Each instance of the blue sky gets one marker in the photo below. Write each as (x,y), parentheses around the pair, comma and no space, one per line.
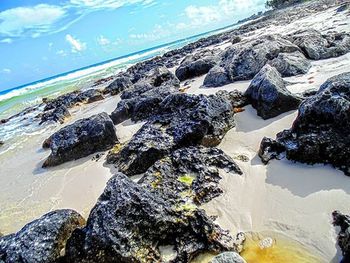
(39,38)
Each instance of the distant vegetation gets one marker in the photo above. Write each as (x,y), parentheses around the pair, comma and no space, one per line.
(281,3)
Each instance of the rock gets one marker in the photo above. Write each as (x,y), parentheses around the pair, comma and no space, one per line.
(317,46)
(320,132)
(189,174)
(90,96)
(120,84)
(228,257)
(216,77)
(308,93)
(42,240)
(343,7)
(1,143)
(236,98)
(291,64)
(4,121)
(130,224)
(81,139)
(182,120)
(244,60)
(197,64)
(67,100)
(236,39)
(161,76)
(270,149)
(268,94)
(58,114)
(343,221)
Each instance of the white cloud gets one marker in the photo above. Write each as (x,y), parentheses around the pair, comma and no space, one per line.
(230,10)
(6,40)
(32,20)
(76,44)
(108,4)
(61,53)
(6,71)
(158,32)
(103,41)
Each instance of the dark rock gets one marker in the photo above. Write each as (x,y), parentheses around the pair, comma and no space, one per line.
(291,64)
(182,120)
(343,221)
(244,60)
(320,132)
(90,96)
(130,224)
(189,174)
(308,93)
(343,7)
(58,114)
(81,139)
(197,64)
(236,98)
(317,46)
(42,240)
(67,100)
(236,39)
(1,143)
(268,94)
(228,257)
(4,121)
(216,77)
(161,76)
(119,85)
(270,149)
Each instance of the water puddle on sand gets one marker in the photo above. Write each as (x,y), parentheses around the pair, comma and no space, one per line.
(269,248)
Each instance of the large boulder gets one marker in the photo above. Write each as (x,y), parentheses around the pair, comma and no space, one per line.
(318,46)
(320,132)
(81,139)
(343,221)
(120,84)
(197,64)
(191,174)
(181,120)
(291,64)
(131,224)
(228,257)
(244,60)
(269,95)
(41,241)
(58,114)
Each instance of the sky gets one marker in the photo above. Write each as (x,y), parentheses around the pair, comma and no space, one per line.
(43,38)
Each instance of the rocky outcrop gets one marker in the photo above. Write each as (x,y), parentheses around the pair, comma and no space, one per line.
(90,96)
(189,174)
(320,132)
(59,114)
(291,64)
(318,46)
(228,257)
(343,221)
(41,241)
(197,64)
(120,84)
(182,120)
(269,95)
(81,139)
(130,224)
(244,60)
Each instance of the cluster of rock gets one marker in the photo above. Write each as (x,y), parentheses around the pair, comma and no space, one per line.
(319,133)
(343,222)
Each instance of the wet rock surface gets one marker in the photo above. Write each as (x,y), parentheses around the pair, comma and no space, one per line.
(343,222)
(268,94)
(41,241)
(189,174)
(321,46)
(319,134)
(197,64)
(130,224)
(81,139)
(182,120)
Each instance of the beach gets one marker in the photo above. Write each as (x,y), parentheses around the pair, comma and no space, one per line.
(284,200)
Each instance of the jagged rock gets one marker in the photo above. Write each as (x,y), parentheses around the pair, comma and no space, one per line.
(58,114)
(308,93)
(228,257)
(197,64)
(130,224)
(291,64)
(216,77)
(268,94)
(320,132)
(90,96)
(236,39)
(182,120)
(161,76)
(244,60)
(120,84)
(67,100)
(81,139)
(189,174)
(343,221)
(270,149)
(236,98)
(42,240)
(317,46)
